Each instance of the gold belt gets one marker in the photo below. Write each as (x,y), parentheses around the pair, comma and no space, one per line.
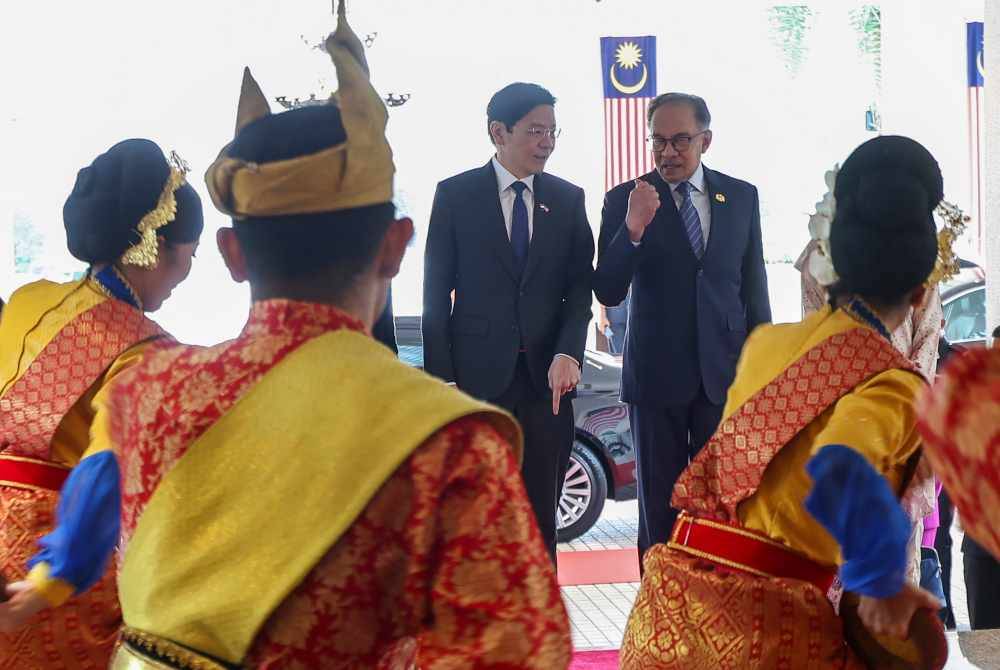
(138,650)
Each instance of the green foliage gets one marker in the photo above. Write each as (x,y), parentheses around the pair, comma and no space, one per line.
(867,23)
(789,28)
(28,243)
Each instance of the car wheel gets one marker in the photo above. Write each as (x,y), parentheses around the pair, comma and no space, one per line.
(585,489)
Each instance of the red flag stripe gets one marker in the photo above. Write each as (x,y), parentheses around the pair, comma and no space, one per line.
(626,153)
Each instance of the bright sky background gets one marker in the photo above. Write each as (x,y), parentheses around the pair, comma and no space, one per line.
(78,77)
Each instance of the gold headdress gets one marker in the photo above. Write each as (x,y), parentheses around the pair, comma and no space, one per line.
(144,253)
(356,173)
(946,266)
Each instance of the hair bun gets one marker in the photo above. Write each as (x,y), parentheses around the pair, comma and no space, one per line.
(883,239)
(893,155)
(110,197)
(887,200)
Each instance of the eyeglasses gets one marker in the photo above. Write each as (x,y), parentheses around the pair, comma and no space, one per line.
(539,133)
(680,143)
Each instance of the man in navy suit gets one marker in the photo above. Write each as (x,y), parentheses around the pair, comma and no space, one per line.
(688,240)
(513,245)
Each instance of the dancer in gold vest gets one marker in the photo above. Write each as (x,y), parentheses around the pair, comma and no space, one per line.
(296,497)
(135,221)
(799,483)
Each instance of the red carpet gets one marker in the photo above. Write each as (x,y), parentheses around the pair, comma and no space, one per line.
(594,660)
(608,566)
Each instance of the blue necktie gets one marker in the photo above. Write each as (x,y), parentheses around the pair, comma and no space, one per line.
(519,225)
(692,222)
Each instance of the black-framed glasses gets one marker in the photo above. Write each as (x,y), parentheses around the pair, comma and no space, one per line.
(680,143)
(536,133)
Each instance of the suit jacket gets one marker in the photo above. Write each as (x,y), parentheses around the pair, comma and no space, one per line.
(384,330)
(544,309)
(688,317)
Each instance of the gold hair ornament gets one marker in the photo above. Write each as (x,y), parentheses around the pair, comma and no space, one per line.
(144,253)
(955,222)
(355,173)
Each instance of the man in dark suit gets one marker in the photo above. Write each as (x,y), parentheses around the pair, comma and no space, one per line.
(514,245)
(688,240)
(384,329)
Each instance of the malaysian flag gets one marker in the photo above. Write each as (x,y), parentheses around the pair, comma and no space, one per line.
(628,70)
(976,108)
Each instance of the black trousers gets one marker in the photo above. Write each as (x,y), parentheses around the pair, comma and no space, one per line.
(548,440)
(666,439)
(943,544)
(982,585)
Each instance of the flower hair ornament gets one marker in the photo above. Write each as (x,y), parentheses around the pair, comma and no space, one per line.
(821,262)
(144,253)
(821,221)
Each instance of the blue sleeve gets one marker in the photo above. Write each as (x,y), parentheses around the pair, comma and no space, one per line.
(855,504)
(87,523)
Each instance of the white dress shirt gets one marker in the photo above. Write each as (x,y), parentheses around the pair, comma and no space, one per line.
(507,195)
(699,198)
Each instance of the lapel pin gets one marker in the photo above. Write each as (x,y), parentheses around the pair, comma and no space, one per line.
(719,197)
(542,206)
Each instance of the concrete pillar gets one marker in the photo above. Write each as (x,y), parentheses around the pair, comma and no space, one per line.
(991,229)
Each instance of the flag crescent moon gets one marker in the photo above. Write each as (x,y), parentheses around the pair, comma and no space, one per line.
(980,66)
(629,90)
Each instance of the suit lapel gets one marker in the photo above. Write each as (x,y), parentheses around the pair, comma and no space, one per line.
(719,209)
(496,227)
(671,227)
(541,229)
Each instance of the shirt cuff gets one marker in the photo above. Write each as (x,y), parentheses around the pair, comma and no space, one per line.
(569,357)
(56,591)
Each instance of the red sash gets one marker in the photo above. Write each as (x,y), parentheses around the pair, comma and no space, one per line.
(30,412)
(728,470)
(745,550)
(32,474)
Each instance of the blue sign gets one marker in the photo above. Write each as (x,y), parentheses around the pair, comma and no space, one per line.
(628,66)
(974,50)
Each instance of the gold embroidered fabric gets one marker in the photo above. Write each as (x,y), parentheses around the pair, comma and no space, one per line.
(691,615)
(237,479)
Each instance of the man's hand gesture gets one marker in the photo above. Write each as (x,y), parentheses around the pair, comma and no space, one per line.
(643,202)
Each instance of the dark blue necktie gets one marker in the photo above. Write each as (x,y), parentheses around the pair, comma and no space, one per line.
(519,225)
(692,222)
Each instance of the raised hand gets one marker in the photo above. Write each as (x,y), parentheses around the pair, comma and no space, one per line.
(643,202)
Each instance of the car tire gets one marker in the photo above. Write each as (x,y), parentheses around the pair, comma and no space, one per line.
(584,491)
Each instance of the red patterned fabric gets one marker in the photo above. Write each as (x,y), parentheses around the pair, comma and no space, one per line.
(179,391)
(69,364)
(729,468)
(692,615)
(698,614)
(445,568)
(960,424)
(80,633)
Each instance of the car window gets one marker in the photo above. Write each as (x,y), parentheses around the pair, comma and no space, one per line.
(965,317)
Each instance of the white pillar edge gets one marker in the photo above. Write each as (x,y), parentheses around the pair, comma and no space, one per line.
(991,227)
